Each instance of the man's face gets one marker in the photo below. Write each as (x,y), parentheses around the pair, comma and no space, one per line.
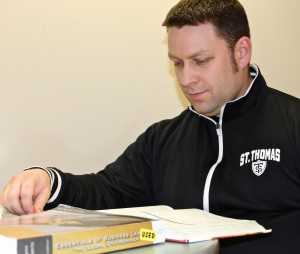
(204,69)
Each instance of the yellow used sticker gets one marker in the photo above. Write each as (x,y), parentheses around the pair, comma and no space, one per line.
(147,235)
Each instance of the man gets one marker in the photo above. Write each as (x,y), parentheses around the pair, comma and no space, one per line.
(234,152)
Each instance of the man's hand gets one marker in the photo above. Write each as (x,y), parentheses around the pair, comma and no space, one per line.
(27,192)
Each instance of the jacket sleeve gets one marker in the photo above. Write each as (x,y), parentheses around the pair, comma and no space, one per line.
(127,182)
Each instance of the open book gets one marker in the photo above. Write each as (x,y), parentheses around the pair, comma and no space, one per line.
(193,225)
(71,230)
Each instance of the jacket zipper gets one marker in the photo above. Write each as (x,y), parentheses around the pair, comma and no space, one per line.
(212,169)
(219,131)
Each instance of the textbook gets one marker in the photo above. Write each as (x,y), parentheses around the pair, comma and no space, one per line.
(69,230)
(194,225)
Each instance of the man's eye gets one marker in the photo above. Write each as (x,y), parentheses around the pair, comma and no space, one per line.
(177,63)
(202,61)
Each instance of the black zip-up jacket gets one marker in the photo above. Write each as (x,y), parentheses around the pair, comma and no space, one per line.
(244,164)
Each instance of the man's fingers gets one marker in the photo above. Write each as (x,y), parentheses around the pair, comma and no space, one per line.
(42,192)
(11,196)
(40,202)
(35,193)
(27,192)
(27,195)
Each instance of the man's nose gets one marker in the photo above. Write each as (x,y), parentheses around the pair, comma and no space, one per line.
(188,76)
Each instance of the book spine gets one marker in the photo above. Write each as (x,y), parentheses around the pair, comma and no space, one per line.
(104,240)
(36,245)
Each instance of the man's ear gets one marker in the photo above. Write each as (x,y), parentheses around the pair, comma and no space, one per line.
(243,51)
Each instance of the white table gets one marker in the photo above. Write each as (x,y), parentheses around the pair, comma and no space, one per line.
(206,247)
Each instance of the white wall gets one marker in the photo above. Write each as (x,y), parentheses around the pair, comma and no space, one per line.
(80,80)
(276,38)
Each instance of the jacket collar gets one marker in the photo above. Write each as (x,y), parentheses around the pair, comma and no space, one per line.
(254,95)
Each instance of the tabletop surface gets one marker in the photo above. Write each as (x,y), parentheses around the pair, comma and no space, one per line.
(205,247)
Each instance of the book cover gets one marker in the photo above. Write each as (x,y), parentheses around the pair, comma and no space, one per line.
(73,230)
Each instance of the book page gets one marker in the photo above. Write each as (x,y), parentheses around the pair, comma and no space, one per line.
(192,225)
(193,217)
(4,213)
(151,212)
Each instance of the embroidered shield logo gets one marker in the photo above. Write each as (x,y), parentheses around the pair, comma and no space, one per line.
(258,167)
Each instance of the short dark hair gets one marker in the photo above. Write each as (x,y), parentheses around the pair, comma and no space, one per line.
(227,16)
